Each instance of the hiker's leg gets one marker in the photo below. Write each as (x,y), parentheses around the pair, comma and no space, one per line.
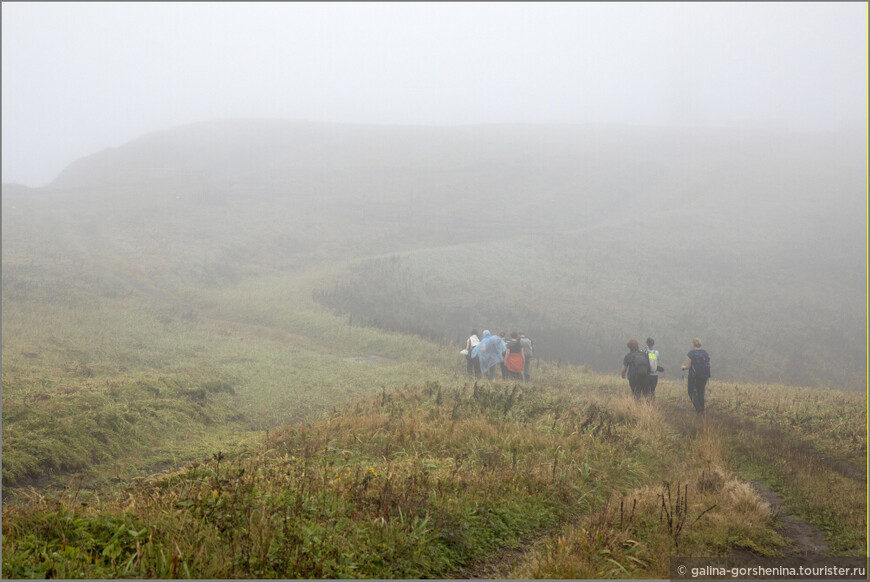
(701,390)
(643,386)
(691,389)
(633,384)
(527,371)
(653,382)
(697,392)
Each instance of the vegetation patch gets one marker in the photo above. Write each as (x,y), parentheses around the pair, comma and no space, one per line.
(52,434)
(418,482)
(805,462)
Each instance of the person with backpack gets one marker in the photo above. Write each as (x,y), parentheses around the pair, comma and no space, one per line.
(698,365)
(504,371)
(528,350)
(636,365)
(514,361)
(473,362)
(653,355)
(490,352)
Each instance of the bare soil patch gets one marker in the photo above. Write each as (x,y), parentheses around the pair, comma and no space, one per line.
(808,539)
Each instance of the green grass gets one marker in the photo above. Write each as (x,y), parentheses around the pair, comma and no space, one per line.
(112,382)
(805,444)
(419,482)
(832,422)
(390,475)
(148,325)
(596,220)
(571,293)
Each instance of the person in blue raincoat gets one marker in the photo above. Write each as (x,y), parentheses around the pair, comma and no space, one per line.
(490,352)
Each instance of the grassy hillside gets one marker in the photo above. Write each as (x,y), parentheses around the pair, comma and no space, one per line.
(267,291)
(114,375)
(750,241)
(435,480)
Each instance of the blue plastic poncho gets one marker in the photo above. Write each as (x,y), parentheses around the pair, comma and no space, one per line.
(490,351)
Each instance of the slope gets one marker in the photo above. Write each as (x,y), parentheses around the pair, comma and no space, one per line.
(749,240)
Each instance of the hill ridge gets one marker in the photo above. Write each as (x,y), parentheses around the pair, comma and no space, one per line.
(781,219)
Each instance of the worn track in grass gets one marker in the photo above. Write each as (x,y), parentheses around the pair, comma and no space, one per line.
(809,542)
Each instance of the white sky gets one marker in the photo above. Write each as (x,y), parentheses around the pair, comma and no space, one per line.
(81,77)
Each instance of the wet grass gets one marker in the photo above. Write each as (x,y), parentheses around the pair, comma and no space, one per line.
(303,443)
(807,445)
(423,481)
(110,385)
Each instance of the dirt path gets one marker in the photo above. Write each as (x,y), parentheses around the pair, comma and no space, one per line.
(809,545)
(809,540)
(500,566)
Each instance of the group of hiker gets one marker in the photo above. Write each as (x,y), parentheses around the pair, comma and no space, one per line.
(513,356)
(640,366)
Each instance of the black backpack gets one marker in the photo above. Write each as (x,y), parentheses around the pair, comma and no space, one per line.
(638,364)
(701,364)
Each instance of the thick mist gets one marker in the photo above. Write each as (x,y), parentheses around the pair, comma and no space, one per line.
(78,78)
(581,236)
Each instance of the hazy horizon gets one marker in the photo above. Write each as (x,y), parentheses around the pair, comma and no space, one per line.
(79,78)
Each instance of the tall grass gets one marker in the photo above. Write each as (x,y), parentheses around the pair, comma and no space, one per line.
(103,374)
(149,325)
(422,481)
(805,444)
(570,292)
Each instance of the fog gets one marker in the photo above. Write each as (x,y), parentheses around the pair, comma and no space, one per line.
(81,77)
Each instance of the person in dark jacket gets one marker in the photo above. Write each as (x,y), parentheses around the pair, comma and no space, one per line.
(636,365)
(528,351)
(698,365)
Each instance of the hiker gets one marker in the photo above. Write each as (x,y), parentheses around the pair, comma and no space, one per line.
(514,362)
(698,365)
(473,362)
(504,372)
(654,367)
(528,350)
(489,352)
(636,365)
